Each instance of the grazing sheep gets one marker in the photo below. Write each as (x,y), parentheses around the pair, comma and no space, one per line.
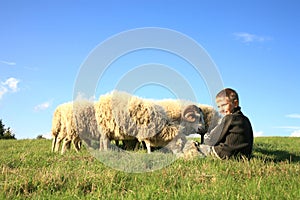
(74,122)
(121,116)
(63,128)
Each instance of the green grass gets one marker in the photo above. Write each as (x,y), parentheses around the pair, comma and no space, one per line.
(30,170)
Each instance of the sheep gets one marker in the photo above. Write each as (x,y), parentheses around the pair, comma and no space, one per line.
(121,116)
(182,147)
(74,122)
(63,128)
(189,148)
(175,140)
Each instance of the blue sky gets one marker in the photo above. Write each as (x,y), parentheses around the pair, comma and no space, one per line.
(254,44)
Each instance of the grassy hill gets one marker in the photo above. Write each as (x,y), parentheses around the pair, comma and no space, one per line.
(30,170)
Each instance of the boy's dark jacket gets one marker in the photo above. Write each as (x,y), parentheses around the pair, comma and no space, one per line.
(236,138)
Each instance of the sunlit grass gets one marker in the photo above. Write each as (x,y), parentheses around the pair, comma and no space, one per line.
(30,170)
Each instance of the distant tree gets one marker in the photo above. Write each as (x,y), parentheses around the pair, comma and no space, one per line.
(5,133)
(40,137)
(2,128)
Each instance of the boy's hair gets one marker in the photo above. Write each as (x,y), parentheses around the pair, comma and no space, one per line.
(229,93)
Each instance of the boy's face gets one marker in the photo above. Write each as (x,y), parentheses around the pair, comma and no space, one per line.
(226,106)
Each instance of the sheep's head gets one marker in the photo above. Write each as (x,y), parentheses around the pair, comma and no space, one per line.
(193,115)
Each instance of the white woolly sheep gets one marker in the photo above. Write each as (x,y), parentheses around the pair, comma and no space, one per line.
(121,116)
(174,139)
(180,145)
(64,129)
(74,122)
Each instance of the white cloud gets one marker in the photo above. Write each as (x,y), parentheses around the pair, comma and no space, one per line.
(258,133)
(8,63)
(248,37)
(295,130)
(10,85)
(295,133)
(288,127)
(47,135)
(297,116)
(3,90)
(42,106)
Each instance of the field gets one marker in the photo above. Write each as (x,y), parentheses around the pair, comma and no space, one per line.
(30,170)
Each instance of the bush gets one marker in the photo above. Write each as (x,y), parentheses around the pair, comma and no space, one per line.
(5,133)
(40,137)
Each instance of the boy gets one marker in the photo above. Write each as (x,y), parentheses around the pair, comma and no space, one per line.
(233,136)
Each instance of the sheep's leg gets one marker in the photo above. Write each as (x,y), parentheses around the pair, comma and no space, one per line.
(101,144)
(57,144)
(148,146)
(54,143)
(137,146)
(79,143)
(63,148)
(104,143)
(76,143)
(66,145)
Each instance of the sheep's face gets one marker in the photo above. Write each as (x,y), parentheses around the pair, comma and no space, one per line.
(193,119)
